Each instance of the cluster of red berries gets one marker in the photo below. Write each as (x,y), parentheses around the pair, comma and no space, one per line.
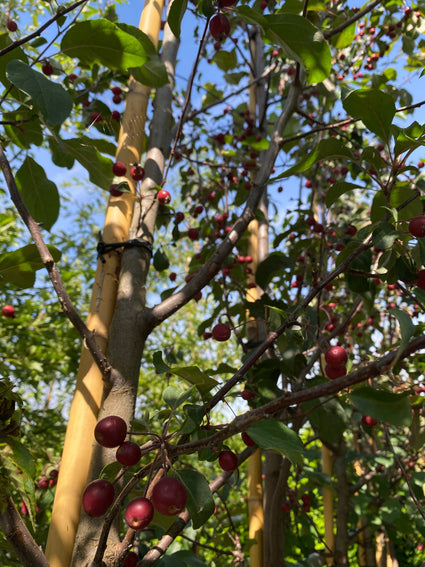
(169,495)
(119,169)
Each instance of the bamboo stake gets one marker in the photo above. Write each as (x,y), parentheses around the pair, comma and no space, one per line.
(328,505)
(77,451)
(255,488)
(255,331)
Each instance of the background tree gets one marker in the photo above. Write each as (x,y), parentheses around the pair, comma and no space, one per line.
(260,272)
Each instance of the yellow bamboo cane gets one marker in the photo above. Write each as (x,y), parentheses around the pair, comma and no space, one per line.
(255,488)
(328,505)
(88,395)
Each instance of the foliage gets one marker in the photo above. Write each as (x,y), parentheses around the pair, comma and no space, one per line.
(342,173)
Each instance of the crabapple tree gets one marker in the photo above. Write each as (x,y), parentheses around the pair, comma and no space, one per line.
(212,276)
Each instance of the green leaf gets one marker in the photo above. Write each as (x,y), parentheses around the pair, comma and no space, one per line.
(251,16)
(384,406)
(174,397)
(275,264)
(200,501)
(302,41)
(6,58)
(53,101)
(346,37)
(195,376)
(276,436)
(409,138)
(406,200)
(102,41)
(192,374)
(98,166)
(60,155)
(253,142)
(19,267)
(329,148)
(153,73)
(160,261)
(328,419)
(384,236)
(22,457)
(358,283)
(225,60)
(175,15)
(337,189)
(378,209)
(158,362)
(375,109)
(39,194)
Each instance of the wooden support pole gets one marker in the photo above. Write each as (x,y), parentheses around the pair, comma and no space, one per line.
(328,505)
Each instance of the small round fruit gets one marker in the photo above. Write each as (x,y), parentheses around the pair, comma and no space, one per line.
(131,559)
(128,453)
(228,460)
(221,332)
(12,25)
(97,497)
(417,226)
(219,27)
(169,496)
(119,168)
(285,507)
(47,69)
(137,172)
(116,90)
(193,233)
(95,117)
(8,311)
(369,421)
(179,217)
(247,394)
(114,191)
(247,439)
(110,431)
(43,482)
(139,513)
(163,197)
(336,356)
(334,372)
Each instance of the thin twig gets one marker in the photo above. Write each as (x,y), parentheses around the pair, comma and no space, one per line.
(60,12)
(52,270)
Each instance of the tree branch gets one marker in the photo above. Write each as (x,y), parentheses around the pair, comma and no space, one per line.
(173,303)
(60,12)
(245,420)
(54,275)
(20,539)
(167,539)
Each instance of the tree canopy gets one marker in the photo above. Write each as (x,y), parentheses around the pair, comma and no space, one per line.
(212,281)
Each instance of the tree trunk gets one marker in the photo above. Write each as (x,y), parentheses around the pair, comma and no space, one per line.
(131,324)
(275,489)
